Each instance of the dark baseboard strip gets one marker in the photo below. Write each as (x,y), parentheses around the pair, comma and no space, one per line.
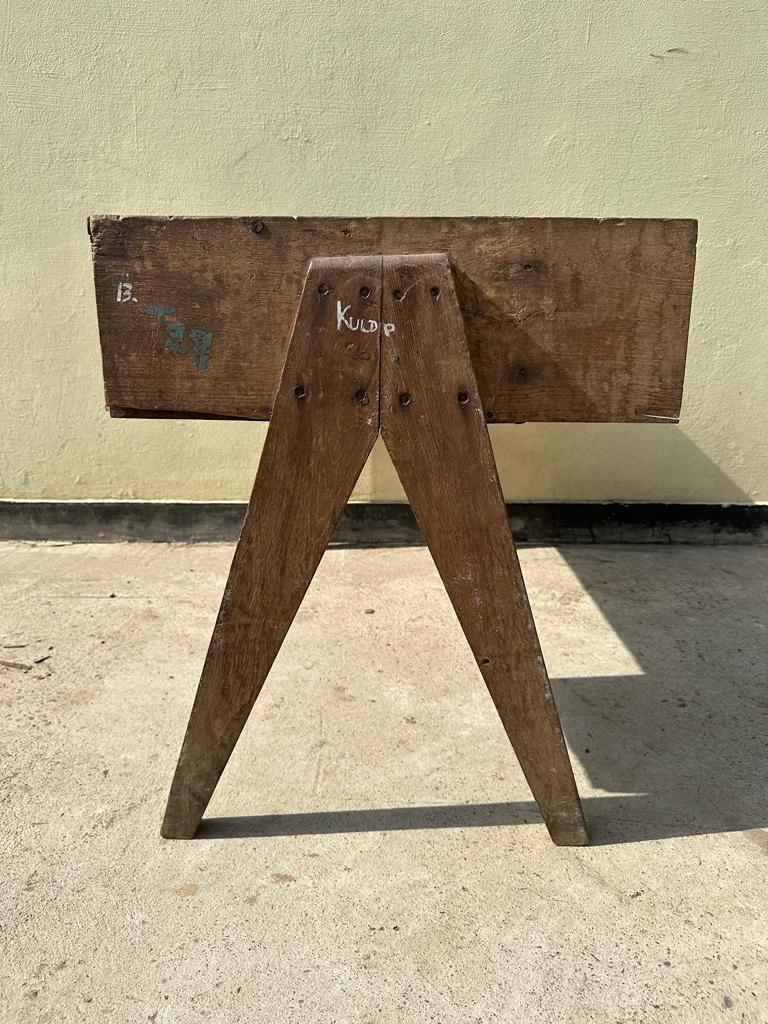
(387,524)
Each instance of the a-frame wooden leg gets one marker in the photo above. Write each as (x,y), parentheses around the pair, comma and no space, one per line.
(434,427)
(324,424)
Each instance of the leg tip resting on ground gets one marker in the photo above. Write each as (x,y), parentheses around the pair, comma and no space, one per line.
(183,813)
(172,830)
(568,831)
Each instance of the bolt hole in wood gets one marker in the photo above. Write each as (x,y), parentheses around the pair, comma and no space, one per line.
(527,266)
(463,398)
(435,292)
(399,295)
(489,414)
(365,291)
(361,396)
(404,399)
(299,391)
(323,289)
(485,661)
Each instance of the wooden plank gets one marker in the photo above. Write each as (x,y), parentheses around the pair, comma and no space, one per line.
(433,424)
(324,424)
(566,319)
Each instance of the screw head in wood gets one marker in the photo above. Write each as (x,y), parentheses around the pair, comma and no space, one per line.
(257,226)
(299,391)
(404,399)
(323,289)
(463,398)
(365,291)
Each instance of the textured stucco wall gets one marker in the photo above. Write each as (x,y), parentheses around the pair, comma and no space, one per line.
(567,108)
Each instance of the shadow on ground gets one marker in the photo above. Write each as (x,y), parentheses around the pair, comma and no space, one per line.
(691,733)
(678,750)
(611,820)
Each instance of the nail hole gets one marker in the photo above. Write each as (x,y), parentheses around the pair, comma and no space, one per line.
(404,399)
(485,661)
(435,292)
(323,289)
(399,295)
(463,398)
(361,397)
(257,226)
(299,391)
(489,414)
(527,266)
(365,291)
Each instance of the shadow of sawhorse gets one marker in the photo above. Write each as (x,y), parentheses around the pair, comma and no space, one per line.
(612,819)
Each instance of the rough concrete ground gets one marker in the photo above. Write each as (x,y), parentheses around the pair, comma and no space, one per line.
(373,853)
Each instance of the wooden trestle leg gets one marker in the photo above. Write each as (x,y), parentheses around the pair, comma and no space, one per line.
(324,423)
(366,323)
(433,425)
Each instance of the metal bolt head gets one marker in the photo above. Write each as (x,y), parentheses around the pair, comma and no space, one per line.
(256,226)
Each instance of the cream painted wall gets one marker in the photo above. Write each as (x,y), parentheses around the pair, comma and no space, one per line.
(573,107)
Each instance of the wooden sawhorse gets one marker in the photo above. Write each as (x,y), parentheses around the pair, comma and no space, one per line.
(379,343)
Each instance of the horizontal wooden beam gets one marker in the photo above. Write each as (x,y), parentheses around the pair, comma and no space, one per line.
(566,319)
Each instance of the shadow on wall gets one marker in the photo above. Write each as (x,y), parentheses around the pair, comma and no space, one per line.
(589,462)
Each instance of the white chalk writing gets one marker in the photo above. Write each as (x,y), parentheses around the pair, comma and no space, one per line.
(359,323)
(125,292)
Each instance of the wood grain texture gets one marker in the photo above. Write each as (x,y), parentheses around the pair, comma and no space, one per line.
(566,319)
(324,424)
(434,426)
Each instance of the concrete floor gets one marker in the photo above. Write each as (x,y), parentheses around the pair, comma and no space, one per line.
(373,854)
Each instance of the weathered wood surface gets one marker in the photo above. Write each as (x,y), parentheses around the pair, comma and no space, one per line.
(434,427)
(325,420)
(399,362)
(566,319)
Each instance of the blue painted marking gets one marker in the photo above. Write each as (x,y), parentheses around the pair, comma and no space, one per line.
(175,340)
(203,341)
(160,311)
